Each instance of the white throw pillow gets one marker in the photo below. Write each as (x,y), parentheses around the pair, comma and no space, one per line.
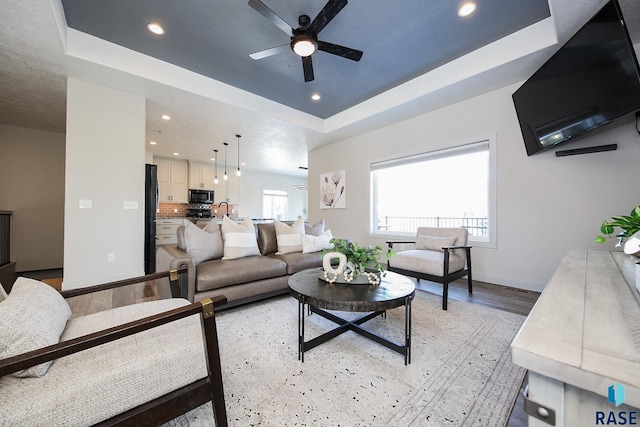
(289,236)
(434,243)
(203,244)
(239,239)
(316,243)
(33,316)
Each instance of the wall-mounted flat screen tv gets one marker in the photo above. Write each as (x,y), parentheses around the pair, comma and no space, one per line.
(591,81)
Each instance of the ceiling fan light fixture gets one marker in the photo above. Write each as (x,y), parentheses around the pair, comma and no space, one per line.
(304,45)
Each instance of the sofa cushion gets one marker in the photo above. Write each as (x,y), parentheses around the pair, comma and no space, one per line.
(96,384)
(425,261)
(33,316)
(289,236)
(202,243)
(314,230)
(219,273)
(433,243)
(239,239)
(316,243)
(298,261)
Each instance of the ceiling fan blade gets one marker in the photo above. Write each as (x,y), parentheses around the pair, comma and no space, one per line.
(262,9)
(270,52)
(328,12)
(345,52)
(307,67)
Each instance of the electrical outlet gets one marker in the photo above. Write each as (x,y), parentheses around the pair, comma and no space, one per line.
(111,257)
(175,210)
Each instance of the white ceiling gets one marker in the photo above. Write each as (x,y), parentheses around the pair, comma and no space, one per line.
(38,52)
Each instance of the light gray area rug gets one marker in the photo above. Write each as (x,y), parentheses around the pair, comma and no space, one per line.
(460,373)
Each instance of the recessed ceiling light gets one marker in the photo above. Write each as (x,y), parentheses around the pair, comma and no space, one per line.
(316,97)
(155,28)
(152,142)
(176,154)
(166,117)
(466,9)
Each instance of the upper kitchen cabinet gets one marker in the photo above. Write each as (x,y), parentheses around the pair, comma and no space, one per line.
(228,191)
(173,180)
(201,176)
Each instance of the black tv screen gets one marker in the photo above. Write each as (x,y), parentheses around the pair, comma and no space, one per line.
(592,80)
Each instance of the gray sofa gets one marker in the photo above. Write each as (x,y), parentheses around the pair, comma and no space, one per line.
(245,279)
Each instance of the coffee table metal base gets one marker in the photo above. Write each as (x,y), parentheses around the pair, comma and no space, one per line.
(353,325)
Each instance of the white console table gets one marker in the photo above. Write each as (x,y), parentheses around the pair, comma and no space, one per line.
(582,336)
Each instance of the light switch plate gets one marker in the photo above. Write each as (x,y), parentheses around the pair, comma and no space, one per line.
(130,204)
(86,204)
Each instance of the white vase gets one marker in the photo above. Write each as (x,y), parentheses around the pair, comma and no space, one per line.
(326,262)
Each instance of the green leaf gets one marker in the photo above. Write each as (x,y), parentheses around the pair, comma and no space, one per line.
(600,239)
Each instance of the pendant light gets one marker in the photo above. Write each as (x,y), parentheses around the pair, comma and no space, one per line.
(215,162)
(225,177)
(238,172)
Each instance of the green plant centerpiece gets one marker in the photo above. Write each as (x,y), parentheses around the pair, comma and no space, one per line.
(630,224)
(359,262)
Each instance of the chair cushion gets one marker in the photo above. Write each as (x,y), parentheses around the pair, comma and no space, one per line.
(289,236)
(219,273)
(433,243)
(96,384)
(426,261)
(202,244)
(239,239)
(33,316)
(316,243)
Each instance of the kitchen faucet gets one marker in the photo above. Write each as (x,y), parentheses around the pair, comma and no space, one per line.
(220,204)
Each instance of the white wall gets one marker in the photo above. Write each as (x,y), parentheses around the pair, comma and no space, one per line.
(251,193)
(105,156)
(32,186)
(545,205)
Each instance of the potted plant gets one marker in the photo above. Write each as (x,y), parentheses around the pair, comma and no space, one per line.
(630,224)
(358,260)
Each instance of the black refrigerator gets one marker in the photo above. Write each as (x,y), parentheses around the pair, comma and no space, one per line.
(150,209)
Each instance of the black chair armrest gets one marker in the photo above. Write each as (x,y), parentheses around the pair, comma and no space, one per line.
(457,247)
(65,348)
(177,279)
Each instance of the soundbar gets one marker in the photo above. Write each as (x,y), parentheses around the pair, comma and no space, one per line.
(586,150)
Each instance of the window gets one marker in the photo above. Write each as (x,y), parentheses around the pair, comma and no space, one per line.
(444,188)
(274,204)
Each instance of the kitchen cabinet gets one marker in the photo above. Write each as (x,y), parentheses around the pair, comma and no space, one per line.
(201,176)
(173,179)
(228,191)
(166,231)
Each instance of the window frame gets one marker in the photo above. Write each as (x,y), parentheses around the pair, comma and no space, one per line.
(454,148)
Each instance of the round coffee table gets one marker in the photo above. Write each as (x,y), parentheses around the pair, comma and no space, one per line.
(393,291)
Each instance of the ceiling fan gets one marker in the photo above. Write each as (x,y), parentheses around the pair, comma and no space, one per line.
(304,39)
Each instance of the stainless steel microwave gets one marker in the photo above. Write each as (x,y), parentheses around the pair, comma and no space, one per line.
(200,196)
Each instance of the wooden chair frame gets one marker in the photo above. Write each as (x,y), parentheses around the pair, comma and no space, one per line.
(446,278)
(172,404)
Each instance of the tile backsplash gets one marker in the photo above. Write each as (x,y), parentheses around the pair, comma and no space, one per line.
(166,210)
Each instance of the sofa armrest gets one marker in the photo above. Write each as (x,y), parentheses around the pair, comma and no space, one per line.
(172,258)
(402,243)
